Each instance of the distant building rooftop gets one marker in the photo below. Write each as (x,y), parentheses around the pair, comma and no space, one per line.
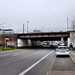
(6,31)
(37,31)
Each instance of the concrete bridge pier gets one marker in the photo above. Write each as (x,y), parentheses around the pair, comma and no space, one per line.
(21,42)
(71,39)
(25,43)
(31,42)
(68,41)
(34,43)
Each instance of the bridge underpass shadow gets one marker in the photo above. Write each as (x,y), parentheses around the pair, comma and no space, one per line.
(37,47)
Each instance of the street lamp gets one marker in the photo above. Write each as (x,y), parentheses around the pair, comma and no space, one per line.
(67,23)
(42,29)
(23,28)
(2,38)
(27,25)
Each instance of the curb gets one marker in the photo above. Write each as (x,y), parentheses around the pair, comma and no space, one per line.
(72,60)
(72,57)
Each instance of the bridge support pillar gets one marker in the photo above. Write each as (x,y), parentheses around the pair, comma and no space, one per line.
(34,43)
(71,40)
(21,43)
(74,43)
(29,42)
(68,41)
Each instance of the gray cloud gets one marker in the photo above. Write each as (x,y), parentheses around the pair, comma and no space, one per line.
(40,13)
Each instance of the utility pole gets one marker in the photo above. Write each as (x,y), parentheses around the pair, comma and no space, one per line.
(27,26)
(67,23)
(2,38)
(23,28)
(42,29)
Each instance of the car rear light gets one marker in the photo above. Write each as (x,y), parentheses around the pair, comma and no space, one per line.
(57,50)
(67,50)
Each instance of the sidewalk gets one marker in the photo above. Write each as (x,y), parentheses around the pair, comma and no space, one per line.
(50,72)
(72,55)
(61,73)
(73,51)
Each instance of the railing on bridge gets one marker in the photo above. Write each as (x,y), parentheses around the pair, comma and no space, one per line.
(45,29)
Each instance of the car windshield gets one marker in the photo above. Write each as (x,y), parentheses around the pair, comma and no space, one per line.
(62,48)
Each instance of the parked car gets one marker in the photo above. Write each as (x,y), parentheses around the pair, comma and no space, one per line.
(62,50)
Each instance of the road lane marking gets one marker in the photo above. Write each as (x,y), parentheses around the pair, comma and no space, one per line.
(25,71)
(17,56)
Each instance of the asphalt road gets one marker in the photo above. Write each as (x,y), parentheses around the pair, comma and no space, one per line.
(14,63)
(34,62)
(63,63)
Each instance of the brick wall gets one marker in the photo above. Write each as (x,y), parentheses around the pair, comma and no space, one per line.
(11,38)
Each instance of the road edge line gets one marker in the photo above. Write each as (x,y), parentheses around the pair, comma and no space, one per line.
(73,53)
(72,59)
(50,65)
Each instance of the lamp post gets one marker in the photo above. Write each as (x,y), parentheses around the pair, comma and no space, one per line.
(27,25)
(67,23)
(2,38)
(42,29)
(23,28)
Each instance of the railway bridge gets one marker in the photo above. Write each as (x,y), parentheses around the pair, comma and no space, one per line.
(30,39)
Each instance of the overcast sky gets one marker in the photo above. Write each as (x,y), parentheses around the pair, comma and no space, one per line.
(41,14)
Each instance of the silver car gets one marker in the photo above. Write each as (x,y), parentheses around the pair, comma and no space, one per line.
(62,50)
